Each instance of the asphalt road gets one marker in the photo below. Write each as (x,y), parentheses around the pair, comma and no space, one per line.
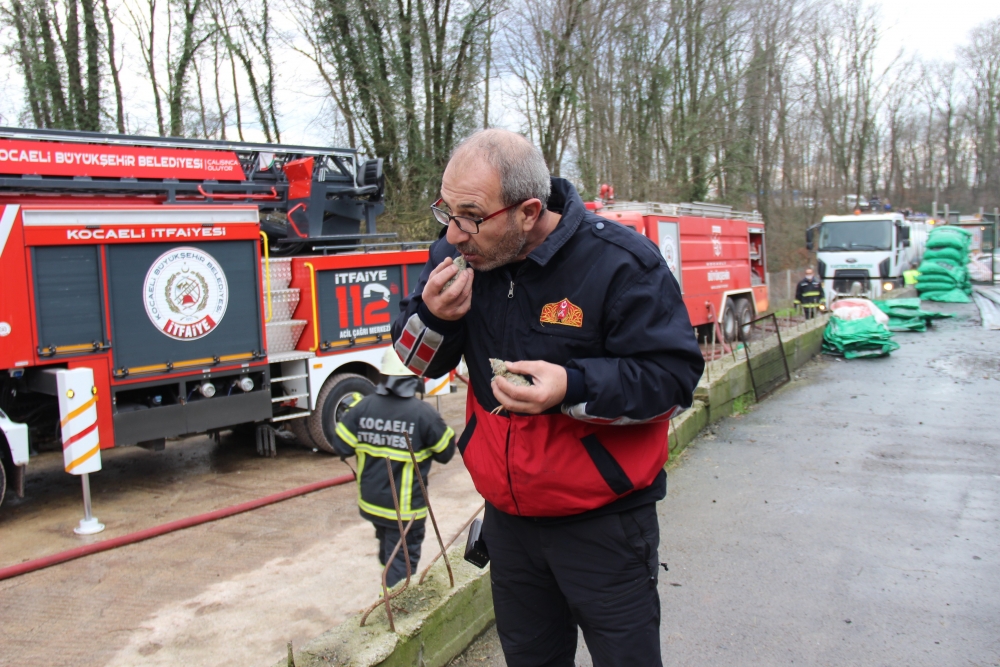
(853,518)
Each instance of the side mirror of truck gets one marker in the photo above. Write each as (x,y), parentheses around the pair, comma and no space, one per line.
(809,239)
(904,235)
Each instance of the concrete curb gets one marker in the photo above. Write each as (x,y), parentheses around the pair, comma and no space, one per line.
(440,622)
(434,623)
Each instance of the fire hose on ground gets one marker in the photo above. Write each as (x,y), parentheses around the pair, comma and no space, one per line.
(169,527)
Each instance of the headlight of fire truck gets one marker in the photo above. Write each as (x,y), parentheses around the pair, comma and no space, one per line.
(888,286)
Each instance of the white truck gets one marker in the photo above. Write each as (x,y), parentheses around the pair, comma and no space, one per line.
(865,255)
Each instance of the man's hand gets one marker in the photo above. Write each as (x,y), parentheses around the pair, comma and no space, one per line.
(548,388)
(455,301)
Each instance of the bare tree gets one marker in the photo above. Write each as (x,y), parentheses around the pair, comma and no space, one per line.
(115,68)
(981,58)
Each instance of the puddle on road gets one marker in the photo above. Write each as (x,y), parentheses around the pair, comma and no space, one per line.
(966,367)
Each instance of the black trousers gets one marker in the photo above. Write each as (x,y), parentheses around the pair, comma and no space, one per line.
(598,574)
(387,537)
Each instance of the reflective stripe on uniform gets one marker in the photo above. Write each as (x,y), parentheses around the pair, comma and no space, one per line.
(442,444)
(406,492)
(390,513)
(347,436)
(391,453)
(405,504)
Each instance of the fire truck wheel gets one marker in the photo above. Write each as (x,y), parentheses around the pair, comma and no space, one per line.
(730,328)
(744,316)
(3,475)
(300,429)
(331,404)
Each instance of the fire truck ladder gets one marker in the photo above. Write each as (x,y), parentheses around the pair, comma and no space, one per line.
(305,194)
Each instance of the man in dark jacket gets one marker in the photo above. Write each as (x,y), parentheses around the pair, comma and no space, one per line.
(374,428)
(809,294)
(571,466)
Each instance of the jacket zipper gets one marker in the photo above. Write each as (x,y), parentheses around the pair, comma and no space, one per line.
(510,480)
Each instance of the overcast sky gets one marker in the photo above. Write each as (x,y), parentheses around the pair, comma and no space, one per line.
(933,29)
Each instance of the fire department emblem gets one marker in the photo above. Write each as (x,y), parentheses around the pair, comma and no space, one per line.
(669,252)
(185,293)
(563,312)
(717,245)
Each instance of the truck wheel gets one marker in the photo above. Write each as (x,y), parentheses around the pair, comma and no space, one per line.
(730,326)
(744,316)
(300,429)
(331,404)
(3,478)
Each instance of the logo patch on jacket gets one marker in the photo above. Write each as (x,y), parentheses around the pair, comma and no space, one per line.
(563,312)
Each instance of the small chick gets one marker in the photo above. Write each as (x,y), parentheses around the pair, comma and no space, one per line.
(500,370)
(462,266)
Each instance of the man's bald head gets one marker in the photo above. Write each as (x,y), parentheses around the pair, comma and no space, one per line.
(516,161)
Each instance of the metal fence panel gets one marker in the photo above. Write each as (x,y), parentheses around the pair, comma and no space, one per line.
(765,356)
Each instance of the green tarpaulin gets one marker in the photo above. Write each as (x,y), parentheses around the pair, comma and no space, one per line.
(854,339)
(906,315)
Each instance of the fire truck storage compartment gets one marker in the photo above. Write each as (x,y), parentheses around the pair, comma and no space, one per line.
(758,275)
(170,408)
(137,342)
(68,300)
(357,303)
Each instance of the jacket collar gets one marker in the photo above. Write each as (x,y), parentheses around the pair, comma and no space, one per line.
(564,200)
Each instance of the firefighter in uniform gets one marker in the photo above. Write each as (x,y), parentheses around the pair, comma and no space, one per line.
(809,294)
(373,429)
(571,467)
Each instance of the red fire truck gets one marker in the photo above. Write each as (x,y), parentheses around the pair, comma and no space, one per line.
(148,264)
(716,254)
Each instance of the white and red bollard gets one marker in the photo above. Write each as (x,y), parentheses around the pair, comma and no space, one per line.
(77,395)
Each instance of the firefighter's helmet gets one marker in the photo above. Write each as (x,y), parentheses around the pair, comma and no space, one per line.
(391,365)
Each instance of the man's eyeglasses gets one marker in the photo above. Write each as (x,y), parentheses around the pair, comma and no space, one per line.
(465,223)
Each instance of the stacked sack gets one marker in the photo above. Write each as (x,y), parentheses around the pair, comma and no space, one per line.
(943,273)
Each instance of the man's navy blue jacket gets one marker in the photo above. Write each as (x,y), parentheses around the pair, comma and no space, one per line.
(598,299)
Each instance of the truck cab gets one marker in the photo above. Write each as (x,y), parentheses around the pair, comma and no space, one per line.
(862,255)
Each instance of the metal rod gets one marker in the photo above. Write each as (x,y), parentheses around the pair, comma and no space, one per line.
(89,525)
(781,348)
(452,541)
(85,478)
(386,597)
(423,489)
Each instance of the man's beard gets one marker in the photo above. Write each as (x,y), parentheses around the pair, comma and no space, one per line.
(505,251)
